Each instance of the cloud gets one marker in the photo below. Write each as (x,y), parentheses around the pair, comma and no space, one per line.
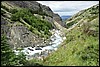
(68,7)
(67,13)
(65,10)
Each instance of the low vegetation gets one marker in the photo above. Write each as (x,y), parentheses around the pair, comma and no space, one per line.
(70,24)
(8,57)
(79,49)
(33,21)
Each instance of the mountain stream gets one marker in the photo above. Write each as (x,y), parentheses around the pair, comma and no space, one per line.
(40,52)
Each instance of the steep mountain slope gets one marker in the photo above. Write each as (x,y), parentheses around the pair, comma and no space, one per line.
(81,47)
(27,23)
(35,7)
(86,15)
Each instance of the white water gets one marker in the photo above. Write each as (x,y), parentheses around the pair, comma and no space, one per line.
(56,39)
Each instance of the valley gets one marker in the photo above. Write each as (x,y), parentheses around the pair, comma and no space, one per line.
(33,35)
(40,51)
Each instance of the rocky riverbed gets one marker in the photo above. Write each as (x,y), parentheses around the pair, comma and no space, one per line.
(43,51)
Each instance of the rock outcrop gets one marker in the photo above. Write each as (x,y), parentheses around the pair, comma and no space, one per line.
(58,19)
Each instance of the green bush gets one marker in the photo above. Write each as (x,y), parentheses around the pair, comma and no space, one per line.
(13,11)
(33,62)
(90,55)
(8,57)
(37,23)
(70,24)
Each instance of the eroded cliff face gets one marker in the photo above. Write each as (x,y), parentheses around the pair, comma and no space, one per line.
(17,33)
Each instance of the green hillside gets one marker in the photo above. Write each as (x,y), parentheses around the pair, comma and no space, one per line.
(86,15)
(81,47)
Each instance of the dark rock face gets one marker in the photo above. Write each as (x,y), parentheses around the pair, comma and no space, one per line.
(58,19)
(4,22)
(4,27)
(33,5)
(25,4)
(51,20)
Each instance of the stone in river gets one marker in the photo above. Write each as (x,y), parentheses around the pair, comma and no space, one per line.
(30,49)
(38,48)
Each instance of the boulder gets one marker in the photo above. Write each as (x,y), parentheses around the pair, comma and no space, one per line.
(38,48)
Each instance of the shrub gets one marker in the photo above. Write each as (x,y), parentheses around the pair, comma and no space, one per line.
(90,55)
(70,24)
(37,23)
(13,11)
(8,57)
(86,27)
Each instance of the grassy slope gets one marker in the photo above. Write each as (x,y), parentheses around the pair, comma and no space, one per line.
(87,15)
(74,47)
(80,48)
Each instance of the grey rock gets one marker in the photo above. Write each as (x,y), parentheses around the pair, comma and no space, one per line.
(38,48)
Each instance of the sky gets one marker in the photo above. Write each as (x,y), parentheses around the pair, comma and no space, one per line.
(66,8)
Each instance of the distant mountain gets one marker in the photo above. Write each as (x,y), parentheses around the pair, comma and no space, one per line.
(65,17)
